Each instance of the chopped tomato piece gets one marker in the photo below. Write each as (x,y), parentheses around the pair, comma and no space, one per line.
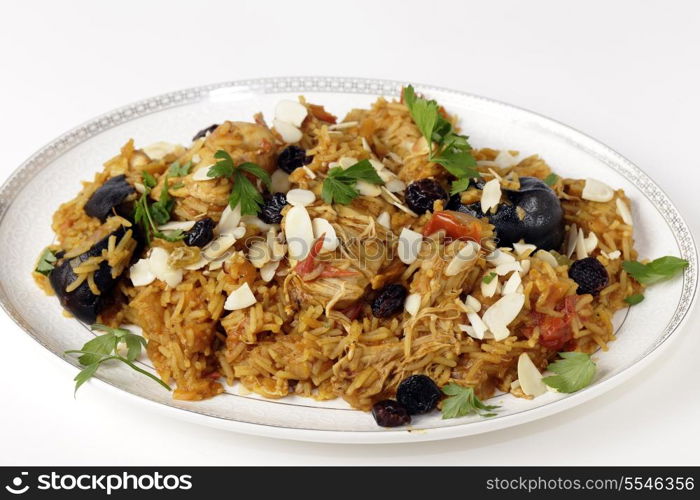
(456,225)
(555,333)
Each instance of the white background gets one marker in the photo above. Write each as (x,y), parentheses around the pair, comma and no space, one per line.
(624,72)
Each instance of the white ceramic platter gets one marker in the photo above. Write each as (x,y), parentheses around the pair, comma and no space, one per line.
(51,176)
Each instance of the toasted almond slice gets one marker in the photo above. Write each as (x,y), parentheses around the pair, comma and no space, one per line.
(502,313)
(524,249)
(140,273)
(508,267)
(267,272)
(219,246)
(512,284)
(491,195)
(289,133)
(198,265)
(409,245)
(498,257)
(240,298)
(368,189)
(299,232)
(346,162)
(259,253)
(594,190)
(309,173)
(279,181)
(230,219)
(291,112)
(159,150)
(322,226)
(300,197)
(469,330)
(571,240)
(395,185)
(624,211)
(365,145)
(489,289)
(412,304)
(525,264)
(384,219)
(547,257)
(530,377)
(201,173)
(140,188)
(590,242)
(473,303)
(183,225)
(581,252)
(505,160)
(252,220)
(613,255)
(466,255)
(158,265)
(478,325)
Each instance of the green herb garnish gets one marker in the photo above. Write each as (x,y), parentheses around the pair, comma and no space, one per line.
(106,347)
(657,270)
(243,191)
(634,299)
(551,179)
(177,170)
(46,262)
(148,180)
(453,151)
(489,278)
(574,372)
(462,401)
(150,216)
(340,185)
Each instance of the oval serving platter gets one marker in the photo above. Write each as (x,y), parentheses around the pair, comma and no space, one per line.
(51,176)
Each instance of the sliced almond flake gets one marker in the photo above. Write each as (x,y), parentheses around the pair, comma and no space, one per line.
(368,189)
(590,242)
(365,145)
(159,150)
(502,313)
(469,330)
(571,237)
(525,264)
(412,304)
(240,298)
(524,248)
(289,133)
(505,160)
(473,303)
(478,324)
(594,190)
(384,219)
(277,248)
(299,232)
(395,185)
(343,125)
(580,245)
(503,269)
(346,162)
(139,187)
(547,257)
(158,265)
(530,377)
(267,272)
(196,158)
(491,195)
(219,246)
(253,220)
(322,226)
(198,265)
(259,253)
(512,284)
(230,219)
(613,255)
(279,181)
(140,273)
(624,211)
(201,173)
(300,197)
(409,245)
(183,225)
(489,289)
(463,258)
(486,163)
(292,112)
(498,257)
(495,174)
(309,173)
(404,208)
(395,157)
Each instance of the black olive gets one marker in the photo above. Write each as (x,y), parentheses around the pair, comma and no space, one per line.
(590,275)
(201,233)
(389,301)
(81,302)
(271,211)
(418,393)
(108,196)
(421,194)
(390,413)
(473,209)
(204,132)
(293,157)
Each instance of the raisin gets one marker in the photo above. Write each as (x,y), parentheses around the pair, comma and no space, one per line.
(204,132)
(590,275)
(389,301)
(418,393)
(271,211)
(200,234)
(291,158)
(390,413)
(421,194)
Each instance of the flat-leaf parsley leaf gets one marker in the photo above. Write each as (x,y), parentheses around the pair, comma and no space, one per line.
(340,185)
(657,270)
(243,191)
(573,372)
(463,401)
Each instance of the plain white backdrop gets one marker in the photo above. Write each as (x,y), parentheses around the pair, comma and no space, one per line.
(624,72)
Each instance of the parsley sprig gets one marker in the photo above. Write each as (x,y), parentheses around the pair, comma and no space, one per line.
(341,184)
(573,372)
(105,348)
(151,215)
(660,269)
(46,262)
(243,191)
(453,151)
(463,401)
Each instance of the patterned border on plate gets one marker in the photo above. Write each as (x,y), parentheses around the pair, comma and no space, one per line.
(31,167)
